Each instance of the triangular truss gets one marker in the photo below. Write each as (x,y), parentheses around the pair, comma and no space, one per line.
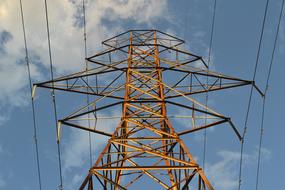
(145,72)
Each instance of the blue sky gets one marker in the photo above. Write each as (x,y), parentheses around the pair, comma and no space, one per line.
(235,43)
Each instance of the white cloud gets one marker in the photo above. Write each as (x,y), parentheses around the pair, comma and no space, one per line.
(67,50)
(266,154)
(127,9)
(3,119)
(76,151)
(66,37)
(224,173)
(74,182)
(13,80)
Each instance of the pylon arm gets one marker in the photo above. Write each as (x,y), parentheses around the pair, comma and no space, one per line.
(200,128)
(257,89)
(86,129)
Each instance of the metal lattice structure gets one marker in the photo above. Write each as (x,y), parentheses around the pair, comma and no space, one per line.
(148,74)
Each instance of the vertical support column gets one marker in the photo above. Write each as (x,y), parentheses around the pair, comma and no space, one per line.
(125,114)
(163,125)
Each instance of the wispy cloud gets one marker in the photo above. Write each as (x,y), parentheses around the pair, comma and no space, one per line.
(224,173)
(3,119)
(4,38)
(76,150)
(66,37)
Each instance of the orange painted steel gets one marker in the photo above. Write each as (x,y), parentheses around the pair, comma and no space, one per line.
(145,148)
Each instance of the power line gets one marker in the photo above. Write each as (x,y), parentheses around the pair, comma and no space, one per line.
(212,32)
(53,96)
(87,80)
(264,98)
(250,96)
(32,99)
(207,78)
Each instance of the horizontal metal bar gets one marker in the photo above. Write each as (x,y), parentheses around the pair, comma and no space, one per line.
(73,76)
(203,127)
(82,92)
(202,91)
(93,110)
(86,129)
(144,138)
(144,168)
(144,44)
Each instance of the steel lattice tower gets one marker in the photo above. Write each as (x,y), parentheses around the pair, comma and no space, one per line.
(150,73)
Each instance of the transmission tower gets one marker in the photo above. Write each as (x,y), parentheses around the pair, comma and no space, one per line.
(148,74)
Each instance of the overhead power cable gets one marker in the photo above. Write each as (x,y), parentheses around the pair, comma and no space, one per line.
(262,127)
(53,96)
(207,78)
(250,96)
(32,99)
(87,80)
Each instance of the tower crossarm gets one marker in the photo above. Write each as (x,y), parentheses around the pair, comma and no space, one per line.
(147,75)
